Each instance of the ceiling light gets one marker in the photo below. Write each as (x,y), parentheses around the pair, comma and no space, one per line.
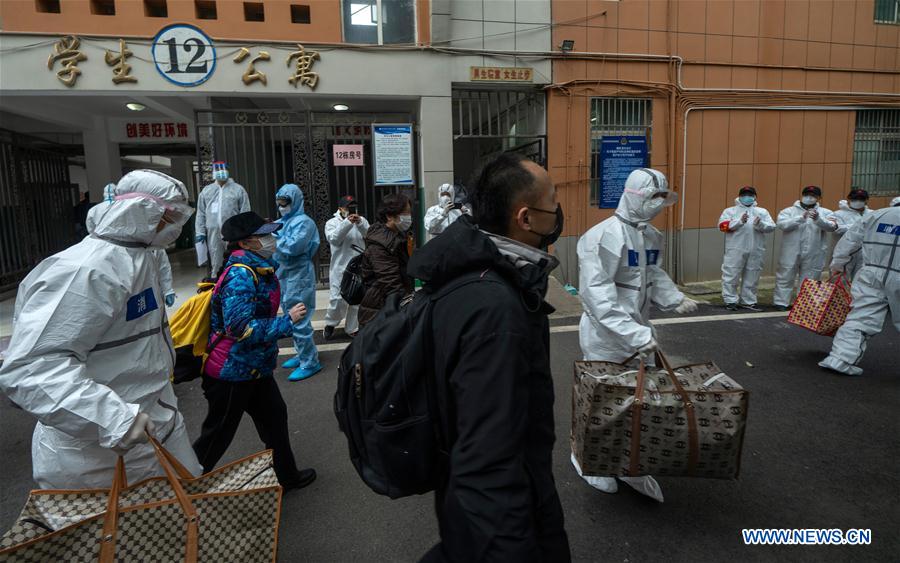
(567,45)
(134,106)
(340,107)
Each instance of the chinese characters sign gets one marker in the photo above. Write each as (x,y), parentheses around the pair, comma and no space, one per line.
(348,155)
(149,131)
(618,157)
(500,74)
(392,146)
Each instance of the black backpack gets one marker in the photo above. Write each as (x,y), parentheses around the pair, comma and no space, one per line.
(388,403)
(353,289)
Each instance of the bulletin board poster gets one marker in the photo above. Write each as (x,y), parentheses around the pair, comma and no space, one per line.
(619,156)
(392,147)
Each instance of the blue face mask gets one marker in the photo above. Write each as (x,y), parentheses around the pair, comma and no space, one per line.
(747,200)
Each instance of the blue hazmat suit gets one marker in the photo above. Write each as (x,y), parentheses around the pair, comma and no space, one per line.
(298,242)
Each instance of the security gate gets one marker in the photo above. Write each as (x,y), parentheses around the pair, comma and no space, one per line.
(265,149)
(490,121)
(37,205)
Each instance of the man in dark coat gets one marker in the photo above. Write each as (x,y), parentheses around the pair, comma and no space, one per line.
(491,347)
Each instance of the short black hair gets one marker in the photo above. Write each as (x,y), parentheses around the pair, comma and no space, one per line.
(391,206)
(499,184)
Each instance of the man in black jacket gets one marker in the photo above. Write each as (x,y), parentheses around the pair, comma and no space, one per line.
(492,347)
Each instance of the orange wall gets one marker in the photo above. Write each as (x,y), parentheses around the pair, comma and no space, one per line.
(823,45)
(75,18)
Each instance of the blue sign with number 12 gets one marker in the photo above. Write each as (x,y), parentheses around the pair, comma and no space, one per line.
(184,55)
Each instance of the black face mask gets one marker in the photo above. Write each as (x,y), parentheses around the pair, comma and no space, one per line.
(549,238)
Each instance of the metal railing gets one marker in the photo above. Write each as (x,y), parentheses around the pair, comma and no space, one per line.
(876,151)
(37,205)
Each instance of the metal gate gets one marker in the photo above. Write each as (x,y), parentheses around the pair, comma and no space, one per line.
(37,205)
(266,149)
(490,121)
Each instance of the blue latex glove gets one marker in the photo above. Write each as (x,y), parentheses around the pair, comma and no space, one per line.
(200,238)
(170,299)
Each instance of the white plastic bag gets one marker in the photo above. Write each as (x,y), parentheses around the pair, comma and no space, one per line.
(202,253)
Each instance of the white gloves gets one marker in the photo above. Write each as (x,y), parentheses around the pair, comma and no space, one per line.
(648,348)
(687,305)
(136,434)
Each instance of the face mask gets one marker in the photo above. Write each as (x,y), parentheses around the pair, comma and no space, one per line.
(809,200)
(549,238)
(284,209)
(445,199)
(747,200)
(166,236)
(343,213)
(267,246)
(857,204)
(652,207)
(405,222)
(220,175)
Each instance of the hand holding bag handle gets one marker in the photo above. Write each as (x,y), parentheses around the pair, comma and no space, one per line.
(174,471)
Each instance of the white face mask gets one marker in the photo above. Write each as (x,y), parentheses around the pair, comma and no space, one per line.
(445,199)
(652,207)
(267,249)
(809,200)
(166,236)
(405,222)
(284,209)
(857,204)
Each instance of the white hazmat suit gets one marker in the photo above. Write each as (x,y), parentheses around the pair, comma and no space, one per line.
(745,248)
(343,235)
(216,205)
(91,348)
(620,277)
(803,248)
(162,259)
(876,287)
(440,216)
(846,218)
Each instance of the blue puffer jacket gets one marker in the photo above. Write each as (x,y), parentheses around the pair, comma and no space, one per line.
(245,321)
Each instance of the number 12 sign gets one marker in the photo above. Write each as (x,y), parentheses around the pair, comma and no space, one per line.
(184,55)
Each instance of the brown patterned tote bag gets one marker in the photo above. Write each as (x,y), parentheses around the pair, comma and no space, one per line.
(687,421)
(230,514)
(821,306)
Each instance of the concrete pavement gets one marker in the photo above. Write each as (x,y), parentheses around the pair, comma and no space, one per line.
(820,451)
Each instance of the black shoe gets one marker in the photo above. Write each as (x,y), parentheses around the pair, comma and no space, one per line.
(304,478)
(328,333)
(751,307)
(782,308)
(731,306)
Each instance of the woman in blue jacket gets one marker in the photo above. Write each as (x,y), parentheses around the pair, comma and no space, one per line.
(243,351)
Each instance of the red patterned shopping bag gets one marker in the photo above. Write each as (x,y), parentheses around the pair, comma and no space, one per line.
(822,306)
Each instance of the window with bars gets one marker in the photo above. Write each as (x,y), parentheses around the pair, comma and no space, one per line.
(876,151)
(887,11)
(615,116)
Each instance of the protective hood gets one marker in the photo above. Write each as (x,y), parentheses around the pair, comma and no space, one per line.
(642,184)
(295,194)
(737,201)
(141,199)
(449,188)
(895,202)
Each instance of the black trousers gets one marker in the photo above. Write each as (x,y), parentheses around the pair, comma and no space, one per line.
(228,401)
